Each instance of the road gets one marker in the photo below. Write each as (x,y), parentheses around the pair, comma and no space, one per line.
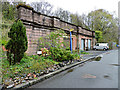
(94,74)
(93,53)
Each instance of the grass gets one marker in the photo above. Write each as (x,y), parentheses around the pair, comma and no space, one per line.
(28,64)
(83,52)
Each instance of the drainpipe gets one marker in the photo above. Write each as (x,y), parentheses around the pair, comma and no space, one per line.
(78,48)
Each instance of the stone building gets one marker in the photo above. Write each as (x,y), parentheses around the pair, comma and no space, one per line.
(38,25)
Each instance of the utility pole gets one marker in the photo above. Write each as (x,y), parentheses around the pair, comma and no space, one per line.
(119,39)
(71,40)
(119,22)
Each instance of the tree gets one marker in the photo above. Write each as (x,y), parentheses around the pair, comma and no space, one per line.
(75,19)
(9,10)
(99,20)
(102,20)
(62,14)
(79,20)
(98,35)
(42,7)
(17,44)
(8,15)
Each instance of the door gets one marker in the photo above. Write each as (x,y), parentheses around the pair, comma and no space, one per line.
(89,44)
(82,44)
(97,46)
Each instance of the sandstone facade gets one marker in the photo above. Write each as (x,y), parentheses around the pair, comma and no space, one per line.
(38,25)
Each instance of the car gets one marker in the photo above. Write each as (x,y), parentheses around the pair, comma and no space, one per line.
(101,46)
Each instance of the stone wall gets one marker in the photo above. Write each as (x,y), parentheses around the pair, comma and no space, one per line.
(38,25)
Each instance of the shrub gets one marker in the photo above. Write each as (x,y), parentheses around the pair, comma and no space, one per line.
(54,42)
(4,42)
(98,35)
(17,44)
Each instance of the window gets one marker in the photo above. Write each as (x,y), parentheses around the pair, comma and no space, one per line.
(97,44)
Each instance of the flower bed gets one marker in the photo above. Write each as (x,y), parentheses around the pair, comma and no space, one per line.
(30,67)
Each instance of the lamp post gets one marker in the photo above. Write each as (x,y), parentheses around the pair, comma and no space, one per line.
(71,40)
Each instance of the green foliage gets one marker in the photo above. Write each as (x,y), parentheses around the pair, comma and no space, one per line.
(52,40)
(76,19)
(98,35)
(24,5)
(99,19)
(61,54)
(4,31)
(17,44)
(82,52)
(4,42)
(77,56)
(102,20)
(67,48)
(56,45)
(28,64)
(9,10)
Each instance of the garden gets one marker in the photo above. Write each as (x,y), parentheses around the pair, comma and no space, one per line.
(18,67)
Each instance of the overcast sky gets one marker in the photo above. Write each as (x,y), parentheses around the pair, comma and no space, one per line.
(84,6)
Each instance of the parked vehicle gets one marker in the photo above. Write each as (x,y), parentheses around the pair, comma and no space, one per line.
(101,46)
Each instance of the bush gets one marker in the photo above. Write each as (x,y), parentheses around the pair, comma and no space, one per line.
(28,64)
(4,42)
(59,54)
(54,42)
(17,44)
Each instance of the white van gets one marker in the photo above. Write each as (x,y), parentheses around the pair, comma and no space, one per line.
(101,46)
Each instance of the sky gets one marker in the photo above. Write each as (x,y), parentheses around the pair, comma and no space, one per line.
(84,6)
